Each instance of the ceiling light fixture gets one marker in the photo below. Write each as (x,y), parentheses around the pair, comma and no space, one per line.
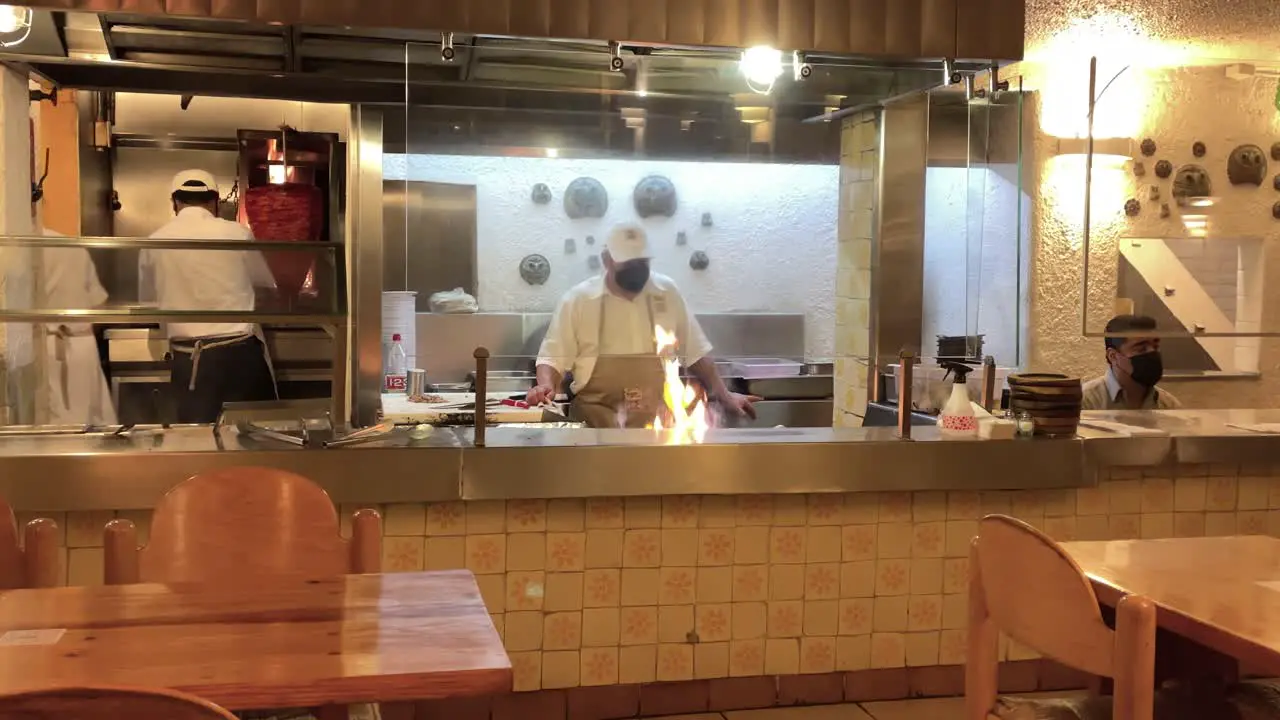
(15,24)
(761,66)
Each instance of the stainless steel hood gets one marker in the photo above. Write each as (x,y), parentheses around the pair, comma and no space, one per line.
(180,55)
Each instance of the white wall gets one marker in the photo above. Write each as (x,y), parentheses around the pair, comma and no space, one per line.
(772,245)
(142,177)
(988,303)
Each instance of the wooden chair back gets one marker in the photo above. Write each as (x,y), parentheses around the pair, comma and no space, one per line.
(108,703)
(1022,584)
(32,562)
(237,523)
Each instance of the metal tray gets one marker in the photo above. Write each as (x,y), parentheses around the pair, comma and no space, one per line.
(800,387)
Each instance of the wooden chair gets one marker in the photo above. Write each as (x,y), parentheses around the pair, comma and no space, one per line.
(35,563)
(226,525)
(108,703)
(1022,584)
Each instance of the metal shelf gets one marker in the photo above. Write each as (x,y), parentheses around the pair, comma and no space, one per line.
(173,142)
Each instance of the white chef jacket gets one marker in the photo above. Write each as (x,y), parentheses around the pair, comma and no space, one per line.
(17,293)
(70,281)
(205,279)
(576,336)
(77,389)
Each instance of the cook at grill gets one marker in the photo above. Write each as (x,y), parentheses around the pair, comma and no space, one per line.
(209,363)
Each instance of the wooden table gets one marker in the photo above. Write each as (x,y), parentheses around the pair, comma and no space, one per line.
(1221,593)
(291,643)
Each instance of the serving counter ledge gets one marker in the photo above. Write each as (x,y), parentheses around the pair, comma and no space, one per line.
(99,471)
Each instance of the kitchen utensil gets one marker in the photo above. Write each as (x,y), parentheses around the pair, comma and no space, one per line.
(752,368)
(800,387)
(417,383)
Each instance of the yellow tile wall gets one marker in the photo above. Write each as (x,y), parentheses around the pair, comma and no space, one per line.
(611,590)
(859,158)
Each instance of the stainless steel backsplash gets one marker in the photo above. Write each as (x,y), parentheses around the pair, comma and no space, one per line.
(446,343)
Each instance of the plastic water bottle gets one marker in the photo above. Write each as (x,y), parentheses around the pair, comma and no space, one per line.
(395,379)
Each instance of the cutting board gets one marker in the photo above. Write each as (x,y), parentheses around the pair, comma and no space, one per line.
(396,408)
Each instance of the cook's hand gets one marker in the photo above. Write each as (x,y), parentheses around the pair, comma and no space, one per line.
(740,404)
(540,395)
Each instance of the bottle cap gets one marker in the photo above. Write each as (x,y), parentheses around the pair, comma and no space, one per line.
(395,338)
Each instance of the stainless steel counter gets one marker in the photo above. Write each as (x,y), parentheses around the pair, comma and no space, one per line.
(1188,436)
(83,472)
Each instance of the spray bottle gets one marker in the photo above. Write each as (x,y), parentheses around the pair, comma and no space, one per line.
(957,419)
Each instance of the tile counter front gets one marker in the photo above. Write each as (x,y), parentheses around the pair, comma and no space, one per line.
(629,591)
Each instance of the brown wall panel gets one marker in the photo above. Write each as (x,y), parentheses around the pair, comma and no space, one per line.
(608,20)
(867,27)
(759,22)
(686,22)
(289,11)
(988,29)
(570,18)
(444,15)
(489,17)
(831,25)
(903,20)
(971,29)
(796,24)
(531,17)
(724,20)
(938,28)
(156,7)
(647,20)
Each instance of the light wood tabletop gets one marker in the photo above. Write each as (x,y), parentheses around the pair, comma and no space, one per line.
(1221,592)
(291,642)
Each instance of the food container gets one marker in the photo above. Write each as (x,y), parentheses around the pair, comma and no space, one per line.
(417,383)
(752,368)
(507,381)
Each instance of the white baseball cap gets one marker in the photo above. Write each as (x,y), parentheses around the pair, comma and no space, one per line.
(628,242)
(194,181)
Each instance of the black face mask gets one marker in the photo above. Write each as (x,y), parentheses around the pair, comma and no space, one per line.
(632,276)
(1148,368)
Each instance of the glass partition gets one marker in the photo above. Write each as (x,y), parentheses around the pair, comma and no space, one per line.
(1181,196)
(56,312)
(519,161)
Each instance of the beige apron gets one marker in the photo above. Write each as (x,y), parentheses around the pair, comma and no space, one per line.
(624,390)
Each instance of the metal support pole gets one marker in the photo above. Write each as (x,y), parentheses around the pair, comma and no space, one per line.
(482,386)
(906,365)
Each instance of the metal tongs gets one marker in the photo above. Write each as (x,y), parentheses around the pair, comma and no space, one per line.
(369,434)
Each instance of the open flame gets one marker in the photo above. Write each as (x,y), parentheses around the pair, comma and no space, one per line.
(687,412)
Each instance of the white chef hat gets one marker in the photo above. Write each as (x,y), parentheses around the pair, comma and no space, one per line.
(628,242)
(194,181)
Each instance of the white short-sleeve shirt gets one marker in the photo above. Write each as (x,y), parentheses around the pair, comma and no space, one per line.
(205,280)
(577,337)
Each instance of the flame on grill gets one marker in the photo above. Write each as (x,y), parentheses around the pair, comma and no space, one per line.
(687,413)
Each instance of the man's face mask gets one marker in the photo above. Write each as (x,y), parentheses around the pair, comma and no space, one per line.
(1148,368)
(632,276)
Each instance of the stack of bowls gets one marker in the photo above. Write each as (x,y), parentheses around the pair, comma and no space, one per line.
(1052,401)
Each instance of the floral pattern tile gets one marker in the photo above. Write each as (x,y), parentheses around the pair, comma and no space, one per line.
(715,547)
(600,666)
(676,586)
(713,622)
(639,626)
(604,512)
(566,551)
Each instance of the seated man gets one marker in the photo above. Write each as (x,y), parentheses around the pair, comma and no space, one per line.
(1134,366)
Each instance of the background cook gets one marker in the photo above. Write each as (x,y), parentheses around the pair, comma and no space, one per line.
(603,331)
(210,363)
